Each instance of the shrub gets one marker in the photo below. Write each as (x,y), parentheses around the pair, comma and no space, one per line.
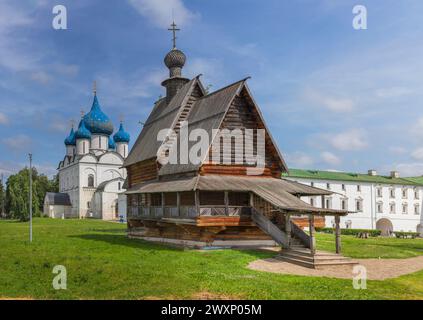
(402,234)
(351,232)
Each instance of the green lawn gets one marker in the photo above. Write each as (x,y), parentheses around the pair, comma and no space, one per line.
(103,264)
(372,247)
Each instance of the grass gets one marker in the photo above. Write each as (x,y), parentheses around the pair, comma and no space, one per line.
(372,247)
(103,264)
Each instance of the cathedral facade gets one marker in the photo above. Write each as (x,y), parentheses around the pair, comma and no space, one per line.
(91,175)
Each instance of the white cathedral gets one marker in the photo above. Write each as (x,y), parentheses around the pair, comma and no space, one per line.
(91,177)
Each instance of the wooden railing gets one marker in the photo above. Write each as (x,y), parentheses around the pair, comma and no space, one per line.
(221,211)
(299,233)
(271,229)
(186,211)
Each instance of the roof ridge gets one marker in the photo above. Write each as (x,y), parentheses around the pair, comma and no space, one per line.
(225,87)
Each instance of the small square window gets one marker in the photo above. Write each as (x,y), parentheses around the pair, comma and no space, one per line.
(404,209)
(380,207)
(358,188)
(343,187)
(392,192)
(328,186)
(392,208)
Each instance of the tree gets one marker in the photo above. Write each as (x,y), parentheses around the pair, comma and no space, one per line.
(2,198)
(17,193)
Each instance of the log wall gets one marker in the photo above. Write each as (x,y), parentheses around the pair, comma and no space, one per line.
(142,171)
(242,115)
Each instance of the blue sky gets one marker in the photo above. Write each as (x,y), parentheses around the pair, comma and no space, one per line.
(334,97)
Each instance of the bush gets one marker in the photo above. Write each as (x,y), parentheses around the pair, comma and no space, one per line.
(351,232)
(401,234)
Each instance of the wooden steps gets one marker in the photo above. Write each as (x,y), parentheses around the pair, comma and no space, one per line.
(304,257)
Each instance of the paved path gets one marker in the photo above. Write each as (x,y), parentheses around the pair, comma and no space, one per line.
(377,269)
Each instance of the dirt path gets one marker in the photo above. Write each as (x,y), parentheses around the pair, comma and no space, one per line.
(377,269)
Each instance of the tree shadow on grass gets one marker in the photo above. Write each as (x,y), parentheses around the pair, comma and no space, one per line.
(122,240)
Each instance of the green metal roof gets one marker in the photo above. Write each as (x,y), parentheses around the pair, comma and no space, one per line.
(354,177)
(417,180)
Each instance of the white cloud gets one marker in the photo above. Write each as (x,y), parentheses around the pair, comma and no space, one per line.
(18,143)
(299,160)
(351,140)
(397,150)
(330,158)
(67,70)
(410,169)
(417,128)
(417,154)
(211,69)
(393,92)
(162,12)
(3,119)
(335,104)
(40,77)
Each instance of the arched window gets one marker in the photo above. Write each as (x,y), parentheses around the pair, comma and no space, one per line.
(90,180)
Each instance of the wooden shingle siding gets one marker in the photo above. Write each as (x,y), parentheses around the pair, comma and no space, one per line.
(242,115)
(142,171)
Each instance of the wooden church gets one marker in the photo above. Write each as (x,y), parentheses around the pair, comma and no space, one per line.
(215,201)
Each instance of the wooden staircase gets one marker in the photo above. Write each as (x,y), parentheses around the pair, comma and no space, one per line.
(302,256)
(295,249)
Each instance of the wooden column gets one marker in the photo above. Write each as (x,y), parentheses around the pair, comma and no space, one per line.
(312,236)
(337,234)
(226,203)
(163,204)
(178,203)
(197,202)
(288,228)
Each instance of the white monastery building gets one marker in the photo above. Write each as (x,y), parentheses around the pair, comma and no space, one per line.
(91,177)
(387,203)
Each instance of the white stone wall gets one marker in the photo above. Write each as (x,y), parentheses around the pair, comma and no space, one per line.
(73,180)
(370,215)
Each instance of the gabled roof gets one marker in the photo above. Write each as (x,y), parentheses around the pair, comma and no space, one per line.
(162,117)
(208,113)
(353,177)
(61,199)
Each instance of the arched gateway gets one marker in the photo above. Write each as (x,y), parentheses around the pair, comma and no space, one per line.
(385,225)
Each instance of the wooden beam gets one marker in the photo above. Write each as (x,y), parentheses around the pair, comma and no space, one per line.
(163,205)
(288,228)
(226,203)
(178,203)
(312,234)
(337,234)
(197,202)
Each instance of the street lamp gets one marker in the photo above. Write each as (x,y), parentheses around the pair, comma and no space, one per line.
(30,197)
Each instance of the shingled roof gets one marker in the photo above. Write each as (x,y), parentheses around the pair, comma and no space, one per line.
(207,113)
(163,116)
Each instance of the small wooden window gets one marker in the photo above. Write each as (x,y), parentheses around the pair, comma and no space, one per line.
(171,199)
(212,198)
(156,199)
(187,198)
(239,199)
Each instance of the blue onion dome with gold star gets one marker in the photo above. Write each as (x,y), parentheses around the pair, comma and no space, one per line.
(96,121)
(112,144)
(82,132)
(121,135)
(70,139)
